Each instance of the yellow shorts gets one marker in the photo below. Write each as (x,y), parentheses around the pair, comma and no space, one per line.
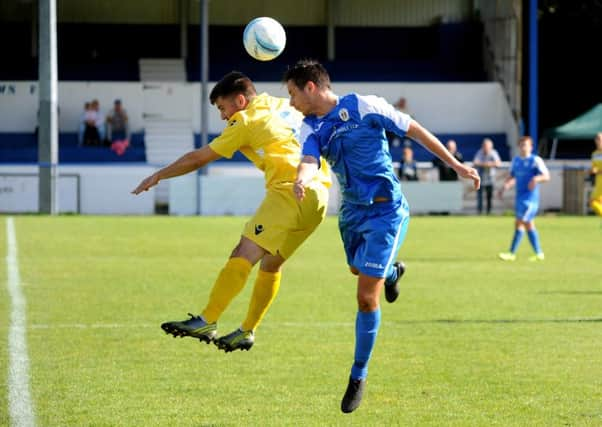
(282,223)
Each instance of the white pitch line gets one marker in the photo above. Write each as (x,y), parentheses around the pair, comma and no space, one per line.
(20,405)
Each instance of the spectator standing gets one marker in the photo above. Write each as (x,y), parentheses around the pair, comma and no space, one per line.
(487,160)
(446,173)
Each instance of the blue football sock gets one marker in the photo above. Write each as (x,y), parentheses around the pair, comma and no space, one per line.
(534,239)
(366,328)
(518,236)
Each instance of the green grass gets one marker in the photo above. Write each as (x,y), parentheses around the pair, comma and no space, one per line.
(472,341)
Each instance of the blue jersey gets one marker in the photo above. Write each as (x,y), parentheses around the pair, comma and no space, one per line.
(523,169)
(351,137)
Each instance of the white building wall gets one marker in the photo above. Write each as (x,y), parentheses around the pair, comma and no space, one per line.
(441,107)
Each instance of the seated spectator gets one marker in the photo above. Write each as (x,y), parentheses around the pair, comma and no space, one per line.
(408,170)
(100,120)
(118,129)
(87,133)
(445,172)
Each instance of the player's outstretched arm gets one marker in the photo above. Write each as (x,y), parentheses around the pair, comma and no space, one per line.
(430,141)
(306,171)
(187,163)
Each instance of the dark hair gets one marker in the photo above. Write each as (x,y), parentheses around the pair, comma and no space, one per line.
(307,70)
(232,83)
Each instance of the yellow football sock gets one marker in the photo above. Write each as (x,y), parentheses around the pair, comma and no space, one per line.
(229,283)
(264,292)
(597,207)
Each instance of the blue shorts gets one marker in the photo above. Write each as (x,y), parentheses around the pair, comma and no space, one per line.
(372,235)
(526,210)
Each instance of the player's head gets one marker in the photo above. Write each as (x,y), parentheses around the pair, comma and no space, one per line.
(305,81)
(598,140)
(451,146)
(525,146)
(232,93)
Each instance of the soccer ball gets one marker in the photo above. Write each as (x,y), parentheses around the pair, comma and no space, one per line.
(264,38)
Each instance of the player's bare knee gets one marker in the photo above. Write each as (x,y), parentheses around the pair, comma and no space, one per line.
(271,263)
(249,250)
(366,303)
(367,300)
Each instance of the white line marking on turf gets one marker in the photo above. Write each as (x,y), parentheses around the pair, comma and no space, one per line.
(19,399)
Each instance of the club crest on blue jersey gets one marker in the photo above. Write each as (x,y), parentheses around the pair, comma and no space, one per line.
(344,114)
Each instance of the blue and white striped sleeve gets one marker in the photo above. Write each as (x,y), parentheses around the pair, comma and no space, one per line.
(383,113)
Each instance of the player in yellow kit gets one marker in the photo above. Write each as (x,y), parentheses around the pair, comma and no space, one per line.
(264,129)
(595,199)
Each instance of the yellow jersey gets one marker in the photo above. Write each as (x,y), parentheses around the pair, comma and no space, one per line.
(267,133)
(597,163)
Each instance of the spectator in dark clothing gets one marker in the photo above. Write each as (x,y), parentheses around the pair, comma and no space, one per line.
(118,123)
(445,172)
(408,170)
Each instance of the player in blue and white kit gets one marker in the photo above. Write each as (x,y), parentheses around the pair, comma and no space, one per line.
(526,172)
(349,132)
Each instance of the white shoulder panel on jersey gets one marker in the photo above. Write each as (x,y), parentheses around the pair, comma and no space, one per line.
(306,131)
(371,104)
(541,165)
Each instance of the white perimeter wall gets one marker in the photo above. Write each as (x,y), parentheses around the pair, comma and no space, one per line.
(102,190)
(229,190)
(441,107)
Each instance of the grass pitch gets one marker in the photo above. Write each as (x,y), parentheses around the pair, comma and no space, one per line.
(472,341)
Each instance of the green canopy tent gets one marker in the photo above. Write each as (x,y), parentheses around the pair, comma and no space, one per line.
(585,126)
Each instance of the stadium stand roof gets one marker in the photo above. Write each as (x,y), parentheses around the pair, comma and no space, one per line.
(585,126)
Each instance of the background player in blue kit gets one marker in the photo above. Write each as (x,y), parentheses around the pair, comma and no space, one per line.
(526,172)
(349,132)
